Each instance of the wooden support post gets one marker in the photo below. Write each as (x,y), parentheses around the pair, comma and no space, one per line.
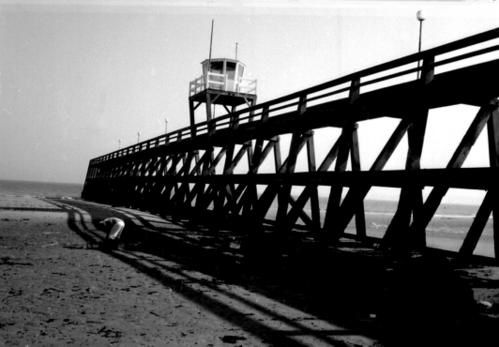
(277,155)
(314,192)
(208,169)
(192,117)
(197,169)
(265,200)
(476,229)
(249,202)
(258,156)
(333,204)
(416,136)
(307,192)
(284,191)
(360,218)
(226,189)
(234,118)
(399,235)
(348,136)
(460,154)
(493,139)
(284,195)
(209,113)
(184,186)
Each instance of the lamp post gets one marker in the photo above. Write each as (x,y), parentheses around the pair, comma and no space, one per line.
(420,16)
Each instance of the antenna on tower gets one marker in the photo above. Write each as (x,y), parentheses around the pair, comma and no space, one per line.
(237,45)
(211,42)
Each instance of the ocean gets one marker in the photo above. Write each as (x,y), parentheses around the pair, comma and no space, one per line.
(20,188)
(446,230)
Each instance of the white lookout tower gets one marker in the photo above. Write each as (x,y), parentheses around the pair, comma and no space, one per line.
(222,83)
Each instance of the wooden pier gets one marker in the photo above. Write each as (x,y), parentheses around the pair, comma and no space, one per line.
(213,168)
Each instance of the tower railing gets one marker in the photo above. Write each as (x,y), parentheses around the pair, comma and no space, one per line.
(222,82)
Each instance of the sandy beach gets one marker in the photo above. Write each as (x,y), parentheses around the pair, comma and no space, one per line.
(58,292)
(60,288)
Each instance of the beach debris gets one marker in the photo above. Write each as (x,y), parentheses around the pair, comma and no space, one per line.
(49,290)
(109,333)
(50,232)
(234,245)
(67,321)
(232,338)
(5,324)
(485,304)
(15,292)
(12,261)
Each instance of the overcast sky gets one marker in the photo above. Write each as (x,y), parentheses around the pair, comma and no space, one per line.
(76,77)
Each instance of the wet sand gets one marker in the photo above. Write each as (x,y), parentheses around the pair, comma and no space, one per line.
(60,288)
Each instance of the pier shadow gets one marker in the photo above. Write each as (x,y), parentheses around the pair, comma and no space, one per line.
(348,291)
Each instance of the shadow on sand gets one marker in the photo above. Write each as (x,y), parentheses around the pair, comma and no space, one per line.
(308,295)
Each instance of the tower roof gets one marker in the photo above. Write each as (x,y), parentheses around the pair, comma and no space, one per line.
(230,60)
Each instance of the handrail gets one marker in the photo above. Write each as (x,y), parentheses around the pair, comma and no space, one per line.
(255,113)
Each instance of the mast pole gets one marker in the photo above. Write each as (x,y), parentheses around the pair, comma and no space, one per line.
(211,43)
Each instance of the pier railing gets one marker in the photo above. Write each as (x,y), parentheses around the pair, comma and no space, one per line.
(452,56)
